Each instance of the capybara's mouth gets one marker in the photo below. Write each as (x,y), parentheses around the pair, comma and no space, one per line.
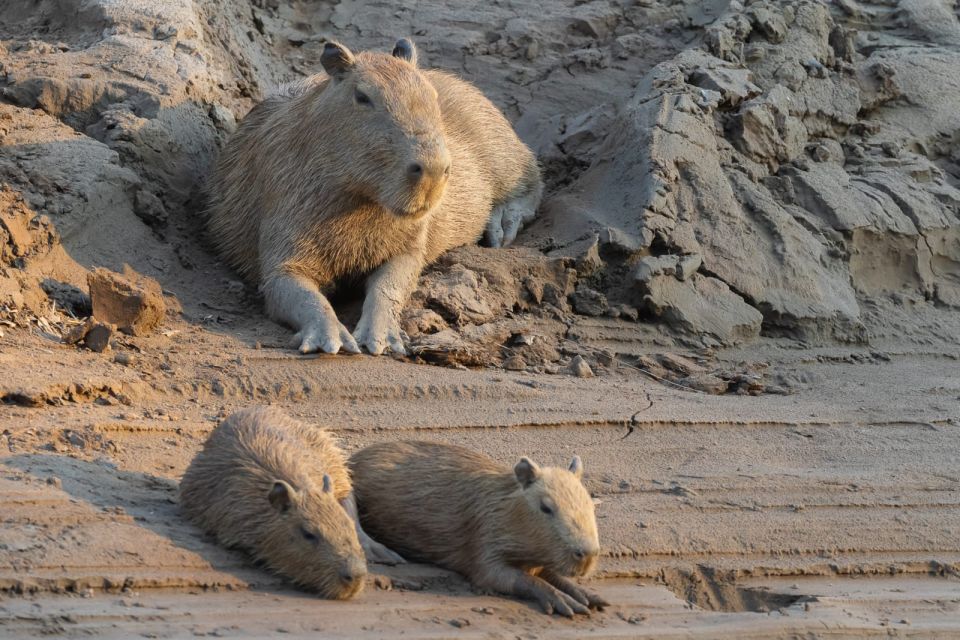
(412,212)
(582,568)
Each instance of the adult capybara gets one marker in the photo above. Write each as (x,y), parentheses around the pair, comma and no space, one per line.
(280,490)
(373,170)
(519,531)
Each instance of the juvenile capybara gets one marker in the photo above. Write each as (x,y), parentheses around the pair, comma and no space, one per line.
(280,490)
(373,170)
(521,531)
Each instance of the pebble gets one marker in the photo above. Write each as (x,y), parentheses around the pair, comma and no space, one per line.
(580,368)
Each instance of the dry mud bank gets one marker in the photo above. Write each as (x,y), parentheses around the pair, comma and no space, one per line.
(750,238)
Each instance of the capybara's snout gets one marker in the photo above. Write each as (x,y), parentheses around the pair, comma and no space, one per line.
(427,174)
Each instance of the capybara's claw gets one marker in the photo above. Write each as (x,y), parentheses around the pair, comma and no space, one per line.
(378,332)
(326,339)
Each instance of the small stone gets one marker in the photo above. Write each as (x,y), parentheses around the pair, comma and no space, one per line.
(54,481)
(589,302)
(459,623)
(149,208)
(688,265)
(124,358)
(589,262)
(514,363)
(891,149)
(580,368)
(79,332)
(223,118)
(130,301)
(487,611)
(706,382)
(98,338)
(651,266)
(628,313)
(606,358)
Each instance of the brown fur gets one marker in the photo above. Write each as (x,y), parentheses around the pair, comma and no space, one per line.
(227,488)
(457,508)
(315,186)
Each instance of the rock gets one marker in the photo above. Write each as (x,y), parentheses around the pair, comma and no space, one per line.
(767,130)
(651,266)
(627,312)
(733,84)
(620,241)
(589,302)
(75,334)
(579,367)
(125,358)
(681,364)
(515,363)
(132,302)
(149,209)
(98,337)
(458,295)
(606,357)
(422,321)
(703,305)
(706,382)
(688,265)
(589,261)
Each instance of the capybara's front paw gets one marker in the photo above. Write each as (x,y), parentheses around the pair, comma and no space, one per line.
(325,335)
(555,601)
(379,330)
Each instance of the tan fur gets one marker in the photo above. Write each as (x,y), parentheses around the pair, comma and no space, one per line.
(315,187)
(457,508)
(226,489)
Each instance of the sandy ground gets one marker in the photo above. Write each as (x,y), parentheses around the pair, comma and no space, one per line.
(829,512)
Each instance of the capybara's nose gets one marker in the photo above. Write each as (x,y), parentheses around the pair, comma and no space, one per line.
(435,170)
(347,576)
(584,552)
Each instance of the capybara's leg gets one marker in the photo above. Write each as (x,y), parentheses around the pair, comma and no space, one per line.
(579,594)
(296,300)
(523,585)
(388,289)
(374,551)
(508,218)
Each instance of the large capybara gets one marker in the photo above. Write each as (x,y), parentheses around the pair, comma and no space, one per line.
(280,490)
(521,531)
(373,170)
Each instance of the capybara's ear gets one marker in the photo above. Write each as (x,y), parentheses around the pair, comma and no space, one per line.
(327,484)
(405,50)
(281,495)
(336,59)
(526,471)
(576,466)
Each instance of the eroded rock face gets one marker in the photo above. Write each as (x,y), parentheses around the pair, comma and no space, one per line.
(806,164)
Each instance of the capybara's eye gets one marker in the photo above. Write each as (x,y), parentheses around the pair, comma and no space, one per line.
(362,98)
(307,535)
(546,509)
